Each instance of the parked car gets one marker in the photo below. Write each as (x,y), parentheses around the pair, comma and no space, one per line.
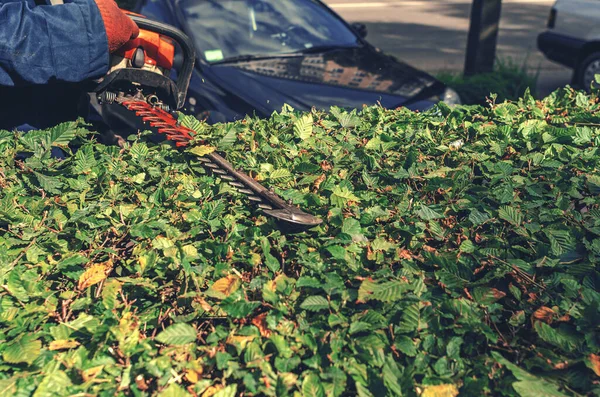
(573,38)
(254,56)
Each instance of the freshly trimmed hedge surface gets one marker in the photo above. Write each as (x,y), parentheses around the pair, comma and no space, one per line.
(459,253)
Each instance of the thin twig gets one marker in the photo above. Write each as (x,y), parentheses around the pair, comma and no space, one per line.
(18,258)
(519,271)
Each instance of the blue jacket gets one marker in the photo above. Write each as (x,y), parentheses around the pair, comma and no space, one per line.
(45,53)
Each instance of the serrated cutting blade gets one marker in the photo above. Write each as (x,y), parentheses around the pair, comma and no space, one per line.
(270,203)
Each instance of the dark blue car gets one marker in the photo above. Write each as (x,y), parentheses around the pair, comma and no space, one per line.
(254,56)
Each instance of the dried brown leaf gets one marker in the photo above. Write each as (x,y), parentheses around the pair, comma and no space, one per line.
(260,322)
(594,361)
(544,314)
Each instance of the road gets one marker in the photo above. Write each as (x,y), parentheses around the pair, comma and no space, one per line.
(432,34)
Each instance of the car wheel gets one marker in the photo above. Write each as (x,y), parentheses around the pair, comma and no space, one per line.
(587,70)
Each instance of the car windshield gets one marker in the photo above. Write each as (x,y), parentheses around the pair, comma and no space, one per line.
(233,29)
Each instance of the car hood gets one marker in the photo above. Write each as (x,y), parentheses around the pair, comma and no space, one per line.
(347,78)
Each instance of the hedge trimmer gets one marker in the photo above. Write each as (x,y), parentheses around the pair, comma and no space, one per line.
(137,92)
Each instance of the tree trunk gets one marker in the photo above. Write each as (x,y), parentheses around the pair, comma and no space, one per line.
(483,33)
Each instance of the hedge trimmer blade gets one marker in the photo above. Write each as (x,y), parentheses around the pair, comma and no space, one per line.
(166,124)
(267,200)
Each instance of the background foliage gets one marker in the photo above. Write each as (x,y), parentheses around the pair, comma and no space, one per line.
(509,81)
(459,253)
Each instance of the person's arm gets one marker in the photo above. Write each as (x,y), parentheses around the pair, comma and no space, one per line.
(67,42)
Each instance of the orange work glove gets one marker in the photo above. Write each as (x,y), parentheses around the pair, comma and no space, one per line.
(119,27)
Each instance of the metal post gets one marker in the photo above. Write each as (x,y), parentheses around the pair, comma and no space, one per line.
(483,33)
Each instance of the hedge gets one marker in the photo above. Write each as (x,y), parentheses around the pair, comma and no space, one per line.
(458,254)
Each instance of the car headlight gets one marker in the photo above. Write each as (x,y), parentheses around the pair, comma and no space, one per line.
(451,97)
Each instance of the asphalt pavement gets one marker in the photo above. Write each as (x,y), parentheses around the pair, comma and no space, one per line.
(432,34)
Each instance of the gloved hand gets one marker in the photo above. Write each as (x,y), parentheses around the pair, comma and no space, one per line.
(119,27)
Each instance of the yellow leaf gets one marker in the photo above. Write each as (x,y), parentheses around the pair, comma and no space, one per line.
(288,379)
(63,344)
(202,150)
(143,261)
(127,209)
(191,376)
(161,242)
(255,259)
(239,340)
(91,373)
(440,391)
(94,274)
(190,251)
(211,391)
(171,252)
(194,371)
(226,286)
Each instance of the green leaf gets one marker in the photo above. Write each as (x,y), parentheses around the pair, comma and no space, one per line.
(54,384)
(312,386)
(174,390)
(271,262)
(51,184)
(487,296)
(477,218)
(563,337)
(228,391)
(192,123)
(162,243)
(537,388)
(428,214)
(24,349)
(337,252)
(8,387)
(528,384)
(406,345)
(336,382)
(467,246)
(228,139)
(280,174)
(238,308)
(351,227)
(561,241)
(177,334)
(511,215)
(62,134)
(341,196)
(392,376)
(202,150)
(315,303)
(453,347)
(410,319)
(84,160)
(345,118)
(389,291)
(303,127)
(139,151)
(583,135)
(593,183)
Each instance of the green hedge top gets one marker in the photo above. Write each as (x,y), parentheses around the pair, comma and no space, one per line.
(459,253)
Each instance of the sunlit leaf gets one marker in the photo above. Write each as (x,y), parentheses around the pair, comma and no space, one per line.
(95,274)
(177,334)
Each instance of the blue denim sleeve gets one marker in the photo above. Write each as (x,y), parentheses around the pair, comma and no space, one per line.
(43,44)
